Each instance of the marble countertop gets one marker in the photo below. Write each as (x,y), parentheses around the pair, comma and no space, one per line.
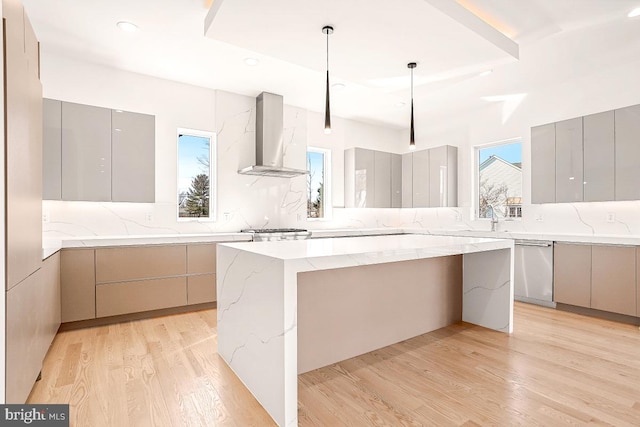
(51,246)
(520,235)
(372,249)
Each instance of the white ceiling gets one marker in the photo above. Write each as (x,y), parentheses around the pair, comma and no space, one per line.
(372,43)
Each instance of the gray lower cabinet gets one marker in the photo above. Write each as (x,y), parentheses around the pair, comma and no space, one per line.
(627,153)
(569,161)
(598,141)
(638,282)
(407,180)
(33,318)
(420,186)
(133,157)
(572,274)
(443,176)
(613,279)
(601,277)
(52,149)
(543,164)
(86,152)
(77,284)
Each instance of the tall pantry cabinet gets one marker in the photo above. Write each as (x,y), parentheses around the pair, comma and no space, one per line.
(32,289)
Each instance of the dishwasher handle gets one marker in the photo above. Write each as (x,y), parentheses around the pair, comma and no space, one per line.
(536,243)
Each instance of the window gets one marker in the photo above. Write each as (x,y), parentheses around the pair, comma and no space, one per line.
(500,180)
(318,183)
(196,175)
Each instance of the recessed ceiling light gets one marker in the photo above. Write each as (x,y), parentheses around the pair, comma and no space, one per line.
(127,26)
(635,12)
(338,86)
(401,104)
(485,73)
(251,62)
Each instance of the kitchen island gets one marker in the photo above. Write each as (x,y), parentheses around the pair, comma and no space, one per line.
(291,306)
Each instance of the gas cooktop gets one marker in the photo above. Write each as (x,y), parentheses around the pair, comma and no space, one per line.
(273,230)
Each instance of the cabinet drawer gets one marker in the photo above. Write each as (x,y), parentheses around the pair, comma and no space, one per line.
(120,264)
(144,295)
(201,289)
(201,259)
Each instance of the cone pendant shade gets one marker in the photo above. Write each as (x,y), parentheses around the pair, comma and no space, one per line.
(412,138)
(328,30)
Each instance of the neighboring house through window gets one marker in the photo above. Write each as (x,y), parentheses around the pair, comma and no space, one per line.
(500,181)
(318,183)
(196,175)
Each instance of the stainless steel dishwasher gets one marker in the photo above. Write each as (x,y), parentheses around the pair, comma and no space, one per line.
(533,272)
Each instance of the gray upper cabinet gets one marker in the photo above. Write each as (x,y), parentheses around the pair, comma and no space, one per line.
(52,149)
(97,154)
(396,181)
(407,180)
(421,174)
(382,179)
(543,164)
(569,161)
(627,153)
(443,176)
(359,180)
(592,158)
(599,157)
(86,152)
(133,157)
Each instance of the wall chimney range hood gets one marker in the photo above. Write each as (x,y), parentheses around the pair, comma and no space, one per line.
(270,140)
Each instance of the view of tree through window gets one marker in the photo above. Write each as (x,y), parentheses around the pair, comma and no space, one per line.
(317,160)
(194,175)
(500,181)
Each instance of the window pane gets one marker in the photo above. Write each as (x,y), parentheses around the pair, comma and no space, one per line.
(194,173)
(315,184)
(500,181)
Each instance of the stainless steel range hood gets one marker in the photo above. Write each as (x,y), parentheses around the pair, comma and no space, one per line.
(270,139)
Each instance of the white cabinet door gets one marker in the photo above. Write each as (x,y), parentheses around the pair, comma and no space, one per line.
(627,149)
(133,151)
(407,180)
(569,161)
(543,164)
(420,168)
(382,179)
(51,149)
(599,157)
(86,152)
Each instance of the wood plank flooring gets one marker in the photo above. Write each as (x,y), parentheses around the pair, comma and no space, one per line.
(557,368)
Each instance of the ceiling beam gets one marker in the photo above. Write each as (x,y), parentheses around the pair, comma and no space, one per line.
(211,15)
(459,13)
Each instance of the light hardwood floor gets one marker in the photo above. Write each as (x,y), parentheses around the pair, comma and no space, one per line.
(557,368)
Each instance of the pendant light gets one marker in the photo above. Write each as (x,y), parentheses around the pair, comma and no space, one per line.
(328,30)
(412,138)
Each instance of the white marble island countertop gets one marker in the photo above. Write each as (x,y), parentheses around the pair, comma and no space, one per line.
(352,251)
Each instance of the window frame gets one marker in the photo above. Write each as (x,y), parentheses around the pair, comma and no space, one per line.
(476,176)
(213,193)
(328,205)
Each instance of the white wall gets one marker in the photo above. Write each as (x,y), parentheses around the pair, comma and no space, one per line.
(242,201)
(566,76)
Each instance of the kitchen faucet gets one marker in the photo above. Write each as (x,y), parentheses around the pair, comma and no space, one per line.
(494,219)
